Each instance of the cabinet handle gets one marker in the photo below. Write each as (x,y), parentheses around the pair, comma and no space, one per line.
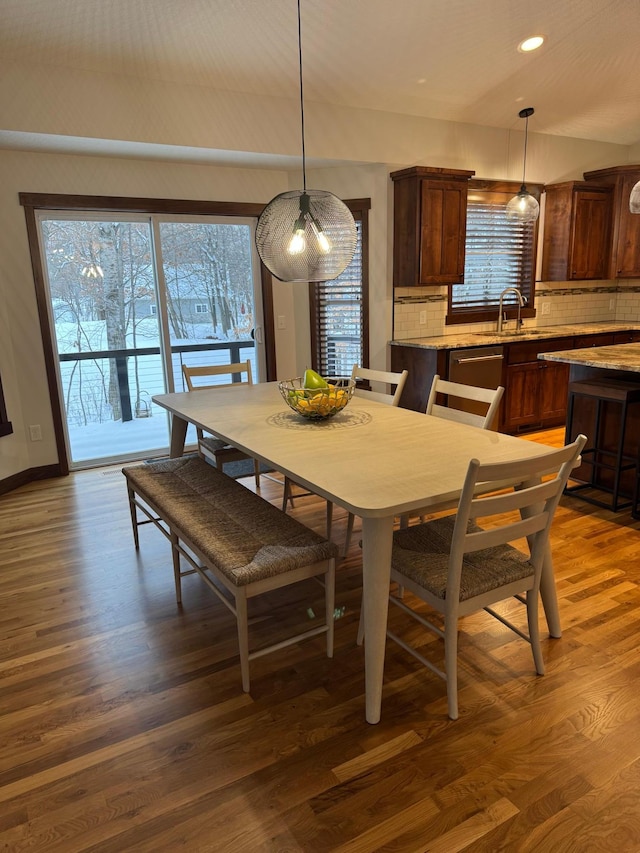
(479,358)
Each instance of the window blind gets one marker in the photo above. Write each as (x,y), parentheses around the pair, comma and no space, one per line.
(499,253)
(338,314)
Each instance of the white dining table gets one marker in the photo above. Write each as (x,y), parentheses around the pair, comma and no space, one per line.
(374,460)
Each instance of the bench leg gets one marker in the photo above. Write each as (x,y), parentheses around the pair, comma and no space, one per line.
(330,603)
(177,577)
(134,517)
(243,636)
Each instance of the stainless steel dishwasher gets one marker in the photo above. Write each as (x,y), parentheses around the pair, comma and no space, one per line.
(480,366)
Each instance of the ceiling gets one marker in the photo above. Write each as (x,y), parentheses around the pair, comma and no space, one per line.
(455,60)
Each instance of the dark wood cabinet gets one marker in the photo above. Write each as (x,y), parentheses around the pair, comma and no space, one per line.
(535,391)
(429,225)
(625,239)
(577,231)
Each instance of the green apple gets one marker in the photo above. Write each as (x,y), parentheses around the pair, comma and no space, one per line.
(313,380)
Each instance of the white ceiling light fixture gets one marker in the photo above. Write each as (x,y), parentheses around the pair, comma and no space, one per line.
(523,207)
(532,43)
(306,235)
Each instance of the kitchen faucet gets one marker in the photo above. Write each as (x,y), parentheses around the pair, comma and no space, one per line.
(521,304)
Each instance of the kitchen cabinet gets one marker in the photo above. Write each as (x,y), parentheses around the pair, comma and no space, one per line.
(535,391)
(429,225)
(625,238)
(577,231)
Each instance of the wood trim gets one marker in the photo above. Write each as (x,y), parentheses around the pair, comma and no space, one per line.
(268,322)
(56,201)
(6,427)
(44,472)
(47,337)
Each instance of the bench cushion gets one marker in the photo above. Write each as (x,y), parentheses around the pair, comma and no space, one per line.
(243,535)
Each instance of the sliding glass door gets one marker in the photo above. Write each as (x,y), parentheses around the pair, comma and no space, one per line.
(132,298)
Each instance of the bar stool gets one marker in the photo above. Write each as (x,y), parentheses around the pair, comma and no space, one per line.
(599,458)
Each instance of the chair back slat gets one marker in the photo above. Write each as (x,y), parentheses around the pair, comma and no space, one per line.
(380,377)
(458,391)
(234,369)
(531,502)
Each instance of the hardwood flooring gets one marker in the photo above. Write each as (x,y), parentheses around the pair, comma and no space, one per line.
(123,726)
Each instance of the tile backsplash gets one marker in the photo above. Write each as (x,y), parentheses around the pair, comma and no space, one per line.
(421,312)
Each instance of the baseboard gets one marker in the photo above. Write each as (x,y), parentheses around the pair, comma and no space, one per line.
(44,472)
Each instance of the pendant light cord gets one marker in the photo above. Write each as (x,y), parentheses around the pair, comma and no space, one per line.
(304,168)
(526,134)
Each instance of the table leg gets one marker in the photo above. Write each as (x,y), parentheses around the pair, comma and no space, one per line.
(549,596)
(376,573)
(178,436)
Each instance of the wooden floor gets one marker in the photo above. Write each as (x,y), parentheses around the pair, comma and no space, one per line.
(123,726)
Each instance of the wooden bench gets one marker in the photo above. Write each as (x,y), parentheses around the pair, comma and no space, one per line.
(239,543)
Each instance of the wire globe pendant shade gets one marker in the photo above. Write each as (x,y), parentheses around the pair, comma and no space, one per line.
(306,235)
(523,207)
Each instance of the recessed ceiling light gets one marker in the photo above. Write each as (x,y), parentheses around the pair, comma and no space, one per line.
(532,43)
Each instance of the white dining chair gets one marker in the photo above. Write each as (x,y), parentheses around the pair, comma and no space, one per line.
(459,566)
(209,446)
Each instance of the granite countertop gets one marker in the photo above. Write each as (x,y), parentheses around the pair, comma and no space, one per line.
(478,339)
(616,357)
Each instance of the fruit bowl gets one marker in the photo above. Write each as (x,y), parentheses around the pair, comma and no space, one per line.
(317,403)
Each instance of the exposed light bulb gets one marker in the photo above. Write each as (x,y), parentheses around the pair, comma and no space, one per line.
(297,244)
(321,237)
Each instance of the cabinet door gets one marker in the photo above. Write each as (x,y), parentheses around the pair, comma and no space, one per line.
(522,396)
(589,256)
(554,383)
(443,226)
(628,242)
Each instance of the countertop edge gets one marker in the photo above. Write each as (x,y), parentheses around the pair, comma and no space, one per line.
(481,339)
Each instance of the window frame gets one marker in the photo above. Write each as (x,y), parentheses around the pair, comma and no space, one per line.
(360,210)
(506,190)
(6,427)
(34,202)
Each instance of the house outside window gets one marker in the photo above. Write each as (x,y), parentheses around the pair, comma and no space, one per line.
(499,253)
(340,309)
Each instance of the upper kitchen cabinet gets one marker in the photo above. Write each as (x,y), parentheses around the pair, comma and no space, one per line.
(429,225)
(625,238)
(577,231)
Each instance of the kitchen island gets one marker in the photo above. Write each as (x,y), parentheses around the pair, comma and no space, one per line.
(604,404)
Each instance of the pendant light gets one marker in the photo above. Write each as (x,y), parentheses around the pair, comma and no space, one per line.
(523,207)
(306,235)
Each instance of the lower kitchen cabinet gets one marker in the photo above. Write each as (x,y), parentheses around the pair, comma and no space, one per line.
(535,391)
